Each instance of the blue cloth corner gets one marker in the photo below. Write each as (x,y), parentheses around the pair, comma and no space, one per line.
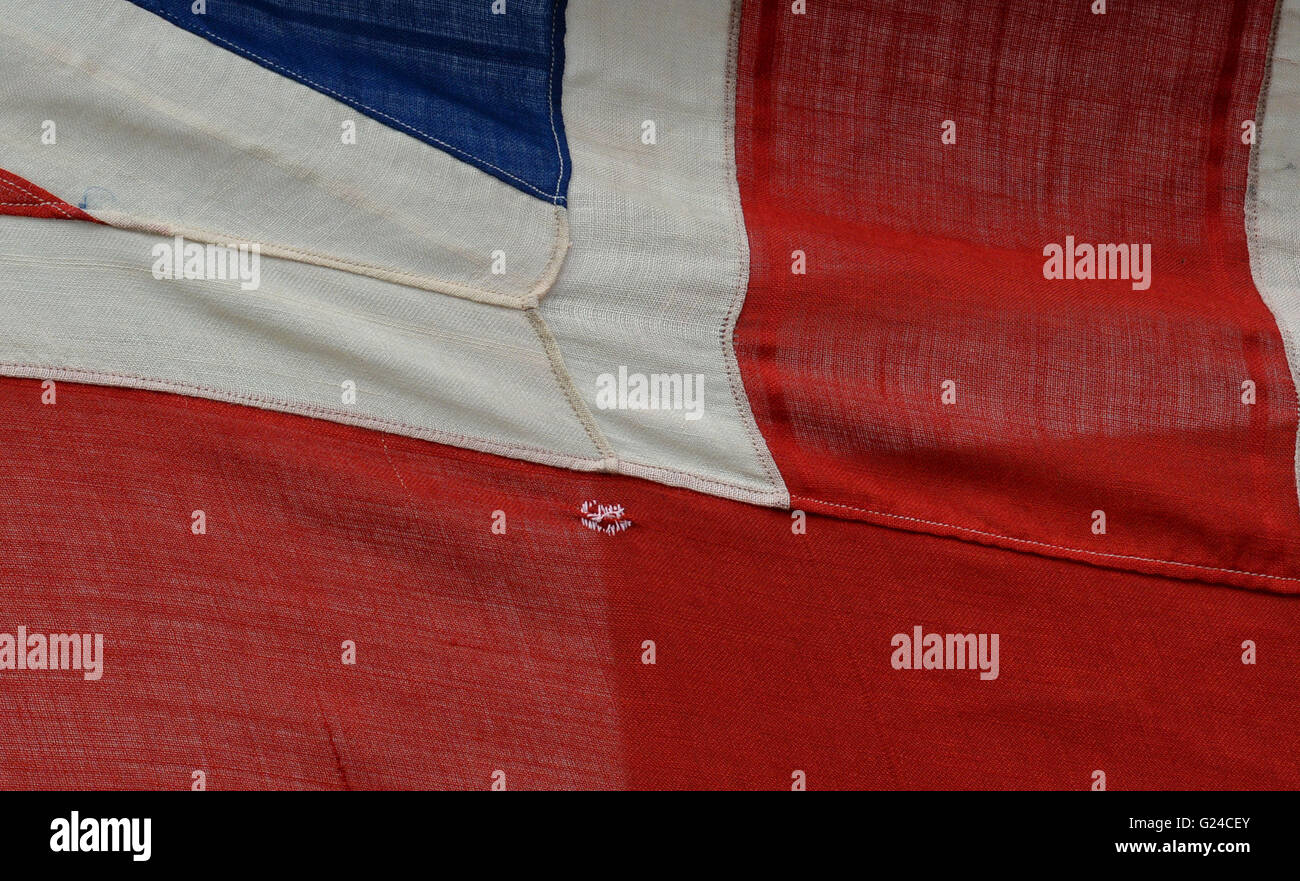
(483,87)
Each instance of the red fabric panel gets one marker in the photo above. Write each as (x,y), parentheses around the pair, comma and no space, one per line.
(20,196)
(522,651)
(925,263)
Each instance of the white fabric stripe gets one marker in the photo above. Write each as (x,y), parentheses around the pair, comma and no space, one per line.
(655,284)
(1273,199)
(79,301)
(660,258)
(160,130)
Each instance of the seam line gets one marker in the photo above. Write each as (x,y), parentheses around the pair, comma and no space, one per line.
(550,98)
(1251,217)
(565,379)
(267,402)
(123,220)
(741,284)
(1043,544)
(58,206)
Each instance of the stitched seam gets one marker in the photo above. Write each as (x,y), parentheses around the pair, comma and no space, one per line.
(777,498)
(124,84)
(122,220)
(58,206)
(410,499)
(1043,544)
(351,101)
(457,289)
(741,283)
(607,462)
(1251,217)
(565,380)
(422,330)
(551,271)
(312,409)
(550,101)
(299,408)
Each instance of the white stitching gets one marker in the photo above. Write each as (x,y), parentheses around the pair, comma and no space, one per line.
(459,290)
(57,206)
(609,519)
(316,411)
(740,285)
(1252,221)
(1043,544)
(564,379)
(550,102)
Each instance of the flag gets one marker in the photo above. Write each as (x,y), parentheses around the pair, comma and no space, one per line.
(713,395)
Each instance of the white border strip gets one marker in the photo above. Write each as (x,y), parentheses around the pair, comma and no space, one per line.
(1273,192)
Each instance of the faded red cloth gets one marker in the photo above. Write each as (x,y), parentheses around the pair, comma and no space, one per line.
(22,197)
(925,264)
(522,652)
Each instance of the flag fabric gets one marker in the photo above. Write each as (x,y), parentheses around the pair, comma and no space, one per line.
(681,394)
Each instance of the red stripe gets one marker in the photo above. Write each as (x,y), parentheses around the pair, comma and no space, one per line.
(1226,235)
(22,197)
(522,651)
(925,263)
